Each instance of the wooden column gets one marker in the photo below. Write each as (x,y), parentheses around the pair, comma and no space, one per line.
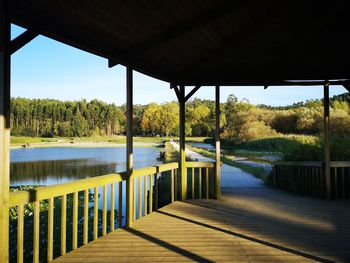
(217,144)
(327,157)
(129,148)
(4,132)
(183,170)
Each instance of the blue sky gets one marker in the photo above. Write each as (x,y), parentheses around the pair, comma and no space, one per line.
(45,68)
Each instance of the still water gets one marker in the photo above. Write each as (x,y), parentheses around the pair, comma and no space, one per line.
(48,166)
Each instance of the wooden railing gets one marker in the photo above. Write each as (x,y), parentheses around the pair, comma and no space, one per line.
(308,178)
(75,204)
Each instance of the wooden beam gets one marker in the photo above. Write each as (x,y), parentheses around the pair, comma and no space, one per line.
(217,144)
(22,40)
(179,96)
(129,148)
(183,28)
(347,86)
(182,166)
(5,67)
(193,91)
(327,157)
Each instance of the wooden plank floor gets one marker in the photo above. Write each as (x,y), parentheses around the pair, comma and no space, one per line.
(248,225)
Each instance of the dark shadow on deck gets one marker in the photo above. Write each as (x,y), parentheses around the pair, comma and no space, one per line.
(262,242)
(304,236)
(169,246)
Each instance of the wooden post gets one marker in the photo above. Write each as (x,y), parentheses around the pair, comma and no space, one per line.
(183,170)
(217,144)
(327,158)
(5,60)
(129,148)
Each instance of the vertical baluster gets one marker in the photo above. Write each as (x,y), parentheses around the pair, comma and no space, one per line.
(120,204)
(50,230)
(86,217)
(145,195)
(150,199)
(112,223)
(63,223)
(192,182)
(335,182)
(75,221)
(134,201)
(343,180)
(36,231)
(20,233)
(172,186)
(200,183)
(175,184)
(156,191)
(104,210)
(207,183)
(95,213)
(140,197)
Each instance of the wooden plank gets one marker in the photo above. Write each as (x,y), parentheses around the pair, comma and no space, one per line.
(20,233)
(130,190)
(95,213)
(50,220)
(217,191)
(5,90)
(120,205)
(75,221)
(150,199)
(139,197)
(182,166)
(36,231)
(207,183)
(166,167)
(22,40)
(25,197)
(86,217)
(156,192)
(112,221)
(145,195)
(327,156)
(172,187)
(200,183)
(200,164)
(63,223)
(192,183)
(104,210)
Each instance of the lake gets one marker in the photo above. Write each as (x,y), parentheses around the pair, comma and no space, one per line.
(48,166)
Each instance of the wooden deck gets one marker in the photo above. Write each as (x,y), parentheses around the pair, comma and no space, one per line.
(248,225)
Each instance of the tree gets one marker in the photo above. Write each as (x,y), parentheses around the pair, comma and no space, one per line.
(79,125)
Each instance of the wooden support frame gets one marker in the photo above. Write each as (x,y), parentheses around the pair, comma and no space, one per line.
(327,157)
(217,144)
(347,86)
(193,91)
(22,40)
(5,67)
(129,148)
(182,166)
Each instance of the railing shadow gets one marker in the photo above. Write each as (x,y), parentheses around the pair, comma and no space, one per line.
(259,241)
(169,246)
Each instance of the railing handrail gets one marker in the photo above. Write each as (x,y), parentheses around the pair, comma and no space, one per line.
(313,163)
(42,193)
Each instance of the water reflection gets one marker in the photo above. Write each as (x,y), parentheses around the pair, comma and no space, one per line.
(48,166)
(53,171)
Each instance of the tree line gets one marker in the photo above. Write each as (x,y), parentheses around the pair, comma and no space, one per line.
(240,120)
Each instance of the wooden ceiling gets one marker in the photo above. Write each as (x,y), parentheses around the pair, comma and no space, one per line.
(203,42)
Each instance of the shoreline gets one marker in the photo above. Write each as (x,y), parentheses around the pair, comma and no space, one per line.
(85,144)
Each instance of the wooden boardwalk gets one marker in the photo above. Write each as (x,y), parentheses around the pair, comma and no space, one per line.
(248,225)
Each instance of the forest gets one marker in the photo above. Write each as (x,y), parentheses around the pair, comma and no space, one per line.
(241,121)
